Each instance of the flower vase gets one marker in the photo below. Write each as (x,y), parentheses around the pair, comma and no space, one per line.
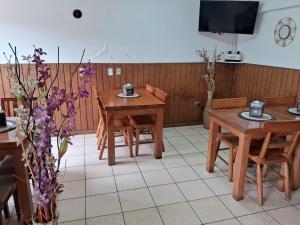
(208,107)
(53,222)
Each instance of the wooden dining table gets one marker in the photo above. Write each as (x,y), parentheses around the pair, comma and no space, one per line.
(246,131)
(8,146)
(145,104)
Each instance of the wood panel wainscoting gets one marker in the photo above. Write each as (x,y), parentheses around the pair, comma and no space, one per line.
(182,81)
(258,81)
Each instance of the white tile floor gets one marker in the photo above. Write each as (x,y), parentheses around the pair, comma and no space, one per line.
(175,190)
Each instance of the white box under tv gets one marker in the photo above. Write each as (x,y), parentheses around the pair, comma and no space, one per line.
(233,57)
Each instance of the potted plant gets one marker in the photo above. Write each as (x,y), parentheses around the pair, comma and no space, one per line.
(39,100)
(209,77)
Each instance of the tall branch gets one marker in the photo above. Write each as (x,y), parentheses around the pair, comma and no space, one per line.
(57,73)
(76,69)
(17,68)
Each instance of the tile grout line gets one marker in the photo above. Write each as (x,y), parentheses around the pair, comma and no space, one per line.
(123,216)
(197,179)
(182,192)
(85,186)
(212,192)
(156,207)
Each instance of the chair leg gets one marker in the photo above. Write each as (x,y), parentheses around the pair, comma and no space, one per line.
(259,184)
(125,134)
(152,131)
(17,204)
(286,182)
(98,128)
(230,164)
(6,211)
(264,170)
(137,141)
(1,220)
(130,140)
(100,137)
(218,147)
(102,145)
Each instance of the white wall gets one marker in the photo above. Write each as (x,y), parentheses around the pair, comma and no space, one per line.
(261,48)
(131,30)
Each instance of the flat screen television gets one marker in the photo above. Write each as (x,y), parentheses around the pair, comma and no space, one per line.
(228,16)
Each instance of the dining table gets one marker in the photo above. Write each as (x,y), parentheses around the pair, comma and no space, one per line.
(144,104)
(8,146)
(246,131)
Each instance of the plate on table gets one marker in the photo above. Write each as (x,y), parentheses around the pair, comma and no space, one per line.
(265,117)
(293,111)
(122,95)
(11,125)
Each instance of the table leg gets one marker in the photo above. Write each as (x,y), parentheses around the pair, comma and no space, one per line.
(240,166)
(23,186)
(110,139)
(295,170)
(159,133)
(212,145)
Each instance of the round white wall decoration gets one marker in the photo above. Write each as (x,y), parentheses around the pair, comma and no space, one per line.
(285,31)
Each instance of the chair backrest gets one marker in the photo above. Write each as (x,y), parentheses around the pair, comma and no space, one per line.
(95,91)
(161,94)
(289,133)
(150,88)
(101,111)
(277,101)
(8,105)
(227,103)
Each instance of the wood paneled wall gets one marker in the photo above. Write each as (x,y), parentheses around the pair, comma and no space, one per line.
(257,81)
(182,81)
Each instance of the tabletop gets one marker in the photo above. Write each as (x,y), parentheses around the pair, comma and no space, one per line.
(283,110)
(9,137)
(110,100)
(230,116)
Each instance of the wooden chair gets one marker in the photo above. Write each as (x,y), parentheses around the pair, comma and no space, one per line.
(146,122)
(150,88)
(8,188)
(120,125)
(100,119)
(8,105)
(276,151)
(227,138)
(278,101)
(227,103)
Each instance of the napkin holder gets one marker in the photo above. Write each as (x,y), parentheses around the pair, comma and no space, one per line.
(2,119)
(128,89)
(256,109)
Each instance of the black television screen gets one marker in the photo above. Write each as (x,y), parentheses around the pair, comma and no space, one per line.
(228,16)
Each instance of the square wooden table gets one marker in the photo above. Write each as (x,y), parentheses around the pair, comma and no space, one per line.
(246,131)
(145,104)
(8,146)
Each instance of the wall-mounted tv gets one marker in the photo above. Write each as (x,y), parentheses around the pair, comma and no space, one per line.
(228,16)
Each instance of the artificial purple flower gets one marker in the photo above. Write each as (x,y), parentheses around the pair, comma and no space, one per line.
(58,101)
(39,114)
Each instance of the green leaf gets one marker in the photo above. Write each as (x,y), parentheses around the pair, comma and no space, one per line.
(43,95)
(63,147)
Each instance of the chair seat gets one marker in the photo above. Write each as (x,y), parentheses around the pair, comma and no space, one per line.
(142,120)
(229,139)
(122,124)
(275,156)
